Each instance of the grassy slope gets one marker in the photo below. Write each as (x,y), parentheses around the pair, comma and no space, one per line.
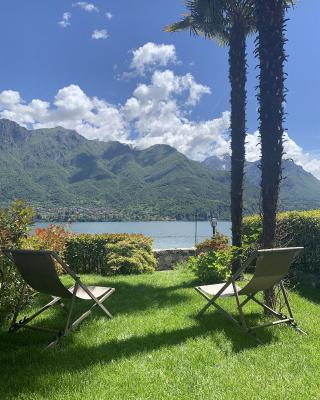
(155,348)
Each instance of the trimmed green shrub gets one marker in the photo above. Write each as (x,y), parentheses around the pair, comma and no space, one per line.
(212,267)
(294,228)
(110,254)
(130,255)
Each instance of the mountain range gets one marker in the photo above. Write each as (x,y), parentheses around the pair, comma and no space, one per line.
(62,174)
(299,189)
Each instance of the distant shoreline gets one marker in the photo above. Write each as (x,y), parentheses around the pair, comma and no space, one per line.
(40,221)
(165,234)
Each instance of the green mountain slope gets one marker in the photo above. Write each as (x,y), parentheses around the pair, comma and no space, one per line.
(64,175)
(57,170)
(299,188)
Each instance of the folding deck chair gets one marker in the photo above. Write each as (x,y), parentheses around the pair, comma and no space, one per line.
(272,265)
(38,271)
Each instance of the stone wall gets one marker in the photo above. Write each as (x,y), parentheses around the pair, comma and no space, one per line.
(167,259)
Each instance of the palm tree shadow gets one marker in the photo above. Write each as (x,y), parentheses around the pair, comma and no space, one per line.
(132,298)
(66,358)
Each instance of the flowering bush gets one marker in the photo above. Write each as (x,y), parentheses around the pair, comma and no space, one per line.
(219,242)
(52,237)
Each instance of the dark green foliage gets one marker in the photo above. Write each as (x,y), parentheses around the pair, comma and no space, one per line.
(110,254)
(293,229)
(14,225)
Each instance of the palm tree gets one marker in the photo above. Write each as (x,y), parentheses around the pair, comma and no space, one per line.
(271,26)
(228,22)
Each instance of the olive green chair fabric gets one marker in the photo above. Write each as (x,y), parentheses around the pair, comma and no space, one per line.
(38,269)
(271,266)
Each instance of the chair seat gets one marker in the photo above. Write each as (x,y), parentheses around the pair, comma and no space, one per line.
(97,291)
(212,290)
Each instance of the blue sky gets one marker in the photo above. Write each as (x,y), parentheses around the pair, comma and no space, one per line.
(92,82)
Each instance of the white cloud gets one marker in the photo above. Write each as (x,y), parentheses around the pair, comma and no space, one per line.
(152,115)
(151,55)
(72,109)
(155,115)
(65,20)
(253,149)
(156,112)
(109,15)
(9,98)
(100,34)
(291,151)
(89,7)
(13,107)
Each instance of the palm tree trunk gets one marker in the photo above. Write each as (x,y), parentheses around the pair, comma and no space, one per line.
(270,49)
(237,77)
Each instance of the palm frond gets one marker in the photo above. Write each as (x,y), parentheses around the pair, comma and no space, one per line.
(215,19)
(182,25)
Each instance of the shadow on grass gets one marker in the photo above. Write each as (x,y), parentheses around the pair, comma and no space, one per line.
(140,297)
(27,363)
(70,357)
(127,299)
(308,292)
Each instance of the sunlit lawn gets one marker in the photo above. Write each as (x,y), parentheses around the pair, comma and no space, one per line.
(155,348)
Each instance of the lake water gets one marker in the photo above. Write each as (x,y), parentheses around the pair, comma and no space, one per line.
(166,234)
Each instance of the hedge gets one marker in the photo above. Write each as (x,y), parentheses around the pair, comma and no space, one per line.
(294,228)
(110,254)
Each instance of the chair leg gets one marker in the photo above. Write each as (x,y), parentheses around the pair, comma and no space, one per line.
(18,306)
(66,328)
(239,307)
(102,299)
(70,326)
(293,322)
(22,323)
(282,318)
(229,316)
(99,302)
(89,312)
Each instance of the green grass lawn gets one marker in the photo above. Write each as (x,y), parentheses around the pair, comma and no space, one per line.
(155,348)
